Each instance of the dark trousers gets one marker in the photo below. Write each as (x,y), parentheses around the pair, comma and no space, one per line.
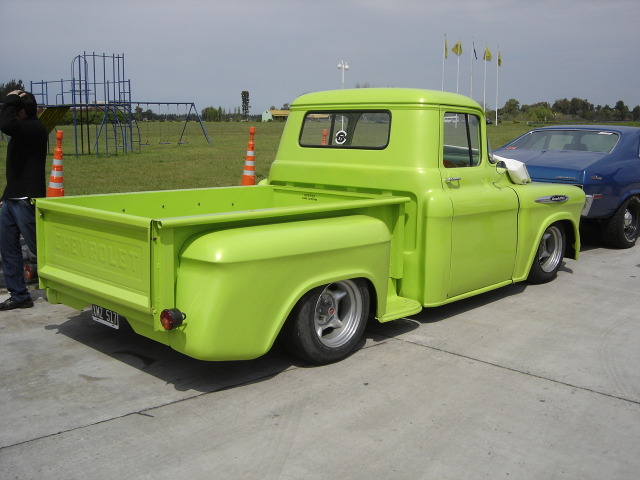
(16,217)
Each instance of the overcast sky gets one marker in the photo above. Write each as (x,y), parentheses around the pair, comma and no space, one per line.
(208,51)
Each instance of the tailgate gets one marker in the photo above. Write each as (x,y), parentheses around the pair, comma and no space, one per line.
(92,256)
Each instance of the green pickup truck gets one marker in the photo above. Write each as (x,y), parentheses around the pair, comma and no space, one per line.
(380,202)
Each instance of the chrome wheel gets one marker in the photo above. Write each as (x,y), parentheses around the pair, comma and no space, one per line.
(630,225)
(338,313)
(551,249)
(549,255)
(328,322)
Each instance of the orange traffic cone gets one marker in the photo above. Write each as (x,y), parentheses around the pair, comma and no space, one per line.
(56,183)
(249,172)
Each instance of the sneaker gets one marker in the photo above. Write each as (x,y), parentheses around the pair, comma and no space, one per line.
(10,304)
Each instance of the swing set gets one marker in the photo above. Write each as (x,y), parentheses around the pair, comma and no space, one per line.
(157,125)
(98,96)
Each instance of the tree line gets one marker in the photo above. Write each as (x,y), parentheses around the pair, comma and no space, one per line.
(565,110)
(562,110)
(212,114)
(6,88)
(94,115)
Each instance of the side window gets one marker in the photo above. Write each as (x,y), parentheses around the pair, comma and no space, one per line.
(602,142)
(461,140)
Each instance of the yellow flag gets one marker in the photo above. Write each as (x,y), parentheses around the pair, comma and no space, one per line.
(499,59)
(446,48)
(487,54)
(457,48)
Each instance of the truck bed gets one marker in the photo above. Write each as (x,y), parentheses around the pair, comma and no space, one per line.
(121,251)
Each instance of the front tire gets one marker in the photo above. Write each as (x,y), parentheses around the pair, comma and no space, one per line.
(621,230)
(328,322)
(549,255)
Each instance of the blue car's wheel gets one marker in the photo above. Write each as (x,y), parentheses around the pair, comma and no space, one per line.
(621,230)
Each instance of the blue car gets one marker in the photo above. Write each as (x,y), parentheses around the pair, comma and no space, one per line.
(602,160)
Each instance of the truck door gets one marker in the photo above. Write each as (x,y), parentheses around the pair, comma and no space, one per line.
(485,215)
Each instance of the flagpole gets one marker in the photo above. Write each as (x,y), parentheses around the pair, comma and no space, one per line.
(457,49)
(498,62)
(474,55)
(458,75)
(487,58)
(484,92)
(471,57)
(444,56)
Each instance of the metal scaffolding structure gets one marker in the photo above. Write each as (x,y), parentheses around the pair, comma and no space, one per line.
(99,98)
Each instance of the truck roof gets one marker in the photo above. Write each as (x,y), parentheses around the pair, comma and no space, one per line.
(380,98)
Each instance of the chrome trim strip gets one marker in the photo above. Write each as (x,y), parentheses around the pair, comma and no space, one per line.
(587,206)
(553,199)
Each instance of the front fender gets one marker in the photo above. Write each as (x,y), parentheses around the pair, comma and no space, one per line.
(535,216)
(238,286)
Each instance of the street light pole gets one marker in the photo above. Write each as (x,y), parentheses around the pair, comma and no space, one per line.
(343,66)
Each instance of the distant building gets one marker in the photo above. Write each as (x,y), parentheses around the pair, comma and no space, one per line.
(275,115)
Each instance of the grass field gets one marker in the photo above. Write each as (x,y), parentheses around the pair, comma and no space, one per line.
(192,165)
(167,166)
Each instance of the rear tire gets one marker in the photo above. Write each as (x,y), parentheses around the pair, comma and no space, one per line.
(549,256)
(328,322)
(621,230)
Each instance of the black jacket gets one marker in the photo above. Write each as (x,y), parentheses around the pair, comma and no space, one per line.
(26,152)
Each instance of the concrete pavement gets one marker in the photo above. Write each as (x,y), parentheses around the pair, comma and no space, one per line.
(526,382)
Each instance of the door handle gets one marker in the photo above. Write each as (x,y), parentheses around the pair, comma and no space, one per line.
(452,179)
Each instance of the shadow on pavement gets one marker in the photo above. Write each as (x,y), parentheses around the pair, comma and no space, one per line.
(186,373)
(160,361)
(437,314)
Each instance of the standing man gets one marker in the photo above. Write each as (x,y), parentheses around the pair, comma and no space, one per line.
(26,159)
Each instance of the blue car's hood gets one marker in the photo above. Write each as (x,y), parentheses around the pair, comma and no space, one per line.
(554,165)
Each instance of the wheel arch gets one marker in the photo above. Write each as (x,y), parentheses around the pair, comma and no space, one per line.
(626,196)
(328,322)
(304,290)
(572,243)
(572,236)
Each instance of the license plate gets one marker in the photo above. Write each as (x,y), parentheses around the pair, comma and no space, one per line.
(105,316)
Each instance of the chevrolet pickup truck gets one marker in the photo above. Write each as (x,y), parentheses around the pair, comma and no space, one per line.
(377,205)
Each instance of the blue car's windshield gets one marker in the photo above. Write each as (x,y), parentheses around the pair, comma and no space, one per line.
(600,141)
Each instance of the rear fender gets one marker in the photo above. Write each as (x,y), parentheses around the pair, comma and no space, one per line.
(238,286)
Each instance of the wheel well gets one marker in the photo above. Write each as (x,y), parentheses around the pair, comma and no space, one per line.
(570,236)
(373,298)
(636,195)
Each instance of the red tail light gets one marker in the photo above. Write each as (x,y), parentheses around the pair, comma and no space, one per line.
(30,272)
(171,318)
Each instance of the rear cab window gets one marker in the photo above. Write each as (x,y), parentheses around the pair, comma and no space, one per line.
(362,129)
